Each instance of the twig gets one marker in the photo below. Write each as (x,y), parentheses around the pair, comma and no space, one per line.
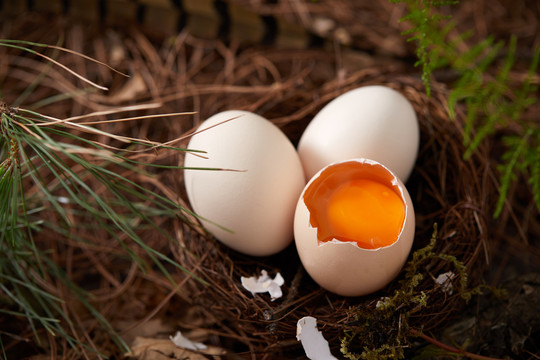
(449,348)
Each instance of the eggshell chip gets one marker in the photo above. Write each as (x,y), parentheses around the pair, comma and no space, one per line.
(313,342)
(263,284)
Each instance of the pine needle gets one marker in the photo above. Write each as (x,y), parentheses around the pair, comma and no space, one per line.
(74,179)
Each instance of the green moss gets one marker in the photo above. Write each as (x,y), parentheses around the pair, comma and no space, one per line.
(382,332)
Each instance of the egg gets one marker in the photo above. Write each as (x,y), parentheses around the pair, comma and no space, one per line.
(373,122)
(249,205)
(354,227)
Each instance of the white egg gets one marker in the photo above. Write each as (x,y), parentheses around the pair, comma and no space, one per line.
(354,227)
(373,122)
(250,206)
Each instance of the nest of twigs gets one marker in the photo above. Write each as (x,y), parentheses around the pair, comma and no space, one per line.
(287,87)
(446,189)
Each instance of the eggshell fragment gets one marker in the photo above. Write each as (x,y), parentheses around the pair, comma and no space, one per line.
(263,284)
(373,122)
(250,206)
(313,341)
(343,267)
(181,341)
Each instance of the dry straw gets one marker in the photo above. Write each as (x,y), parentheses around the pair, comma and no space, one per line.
(289,88)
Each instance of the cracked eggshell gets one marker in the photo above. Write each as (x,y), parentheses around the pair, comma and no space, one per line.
(373,122)
(343,267)
(256,201)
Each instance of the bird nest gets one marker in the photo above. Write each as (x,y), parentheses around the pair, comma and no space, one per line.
(450,196)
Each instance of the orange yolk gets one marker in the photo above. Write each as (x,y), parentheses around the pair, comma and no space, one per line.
(356,202)
(367,212)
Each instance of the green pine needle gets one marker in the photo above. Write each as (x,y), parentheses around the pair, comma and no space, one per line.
(64,165)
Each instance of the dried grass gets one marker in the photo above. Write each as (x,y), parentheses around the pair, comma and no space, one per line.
(287,87)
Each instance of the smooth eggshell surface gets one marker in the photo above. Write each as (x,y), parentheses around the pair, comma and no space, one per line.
(373,122)
(256,201)
(344,268)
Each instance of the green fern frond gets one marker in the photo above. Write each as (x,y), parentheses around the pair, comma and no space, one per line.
(522,156)
(483,87)
(428,33)
(489,106)
(533,160)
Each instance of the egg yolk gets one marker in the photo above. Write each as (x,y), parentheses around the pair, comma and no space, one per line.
(367,212)
(356,202)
